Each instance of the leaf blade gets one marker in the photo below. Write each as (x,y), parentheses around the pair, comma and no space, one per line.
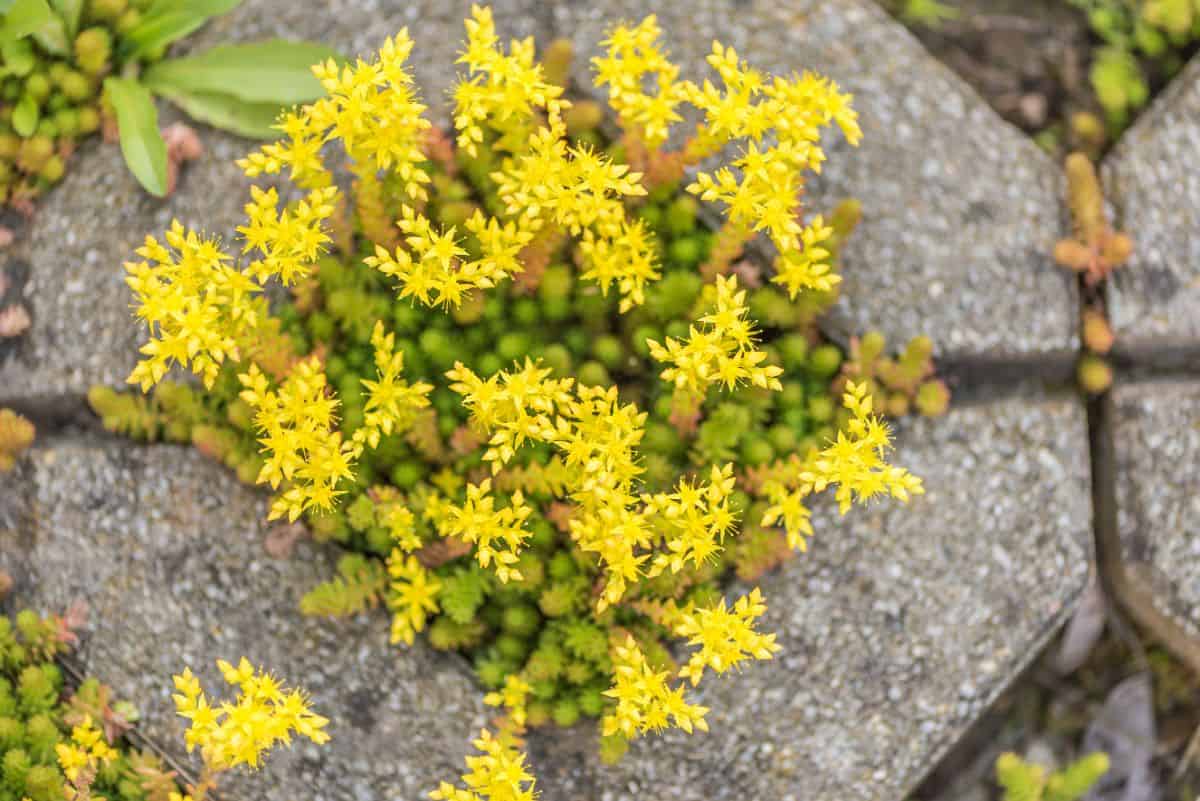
(280,70)
(167,22)
(142,144)
(251,120)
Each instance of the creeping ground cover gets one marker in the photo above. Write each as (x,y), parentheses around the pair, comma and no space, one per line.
(543,404)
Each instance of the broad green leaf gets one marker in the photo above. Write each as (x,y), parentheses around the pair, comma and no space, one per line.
(25,116)
(209,7)
(141,142)
(252,120)
(70,11)
(169,21)
(19,58)
(35,18)
(274,71)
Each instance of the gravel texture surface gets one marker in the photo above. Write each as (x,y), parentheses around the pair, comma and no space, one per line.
(90,225)
(1157,437)
(899,626)
(1152,179)
(960,210)
(166,548)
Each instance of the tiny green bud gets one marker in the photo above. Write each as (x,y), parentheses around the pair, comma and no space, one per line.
(825,360)
(681,215)
(52,170)
(76,87)
(593,374)
(89,120)
(821,408)
(92,50)
(38,86)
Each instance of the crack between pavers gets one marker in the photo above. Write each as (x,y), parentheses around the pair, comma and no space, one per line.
(1120,583)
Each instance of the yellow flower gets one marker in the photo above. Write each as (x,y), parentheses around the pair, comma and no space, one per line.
(498,773)
(197,306)
(695,519)
(498,534)
(413,596)
(391,403)
(242,730)
(501,92)
(721,351)
(632,58)
(726,636)
(513,696)
(297,428)
(854,462)
(645,701)
(289,242)
(87,749)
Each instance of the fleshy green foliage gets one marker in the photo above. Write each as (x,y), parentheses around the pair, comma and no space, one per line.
(1144,41)
(359,586)
(57,63)
(901,384)
(1025,781)
(38,712)
(922,12)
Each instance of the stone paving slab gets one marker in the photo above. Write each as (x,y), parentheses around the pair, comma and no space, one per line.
(166,548)
(899,626)
(1156,433)
(961,210)
(91,224)
(1152,179)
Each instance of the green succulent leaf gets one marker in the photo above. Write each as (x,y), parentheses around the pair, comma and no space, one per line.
(35,18)
(25,116)
(167,21)
(70,11)
(18,57)
(141,142)
(229,113)
(275,71)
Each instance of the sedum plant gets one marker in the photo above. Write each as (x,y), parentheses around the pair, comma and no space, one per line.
(544,403)
(56,742)
(1144,41)
(68,65)
(1025,781)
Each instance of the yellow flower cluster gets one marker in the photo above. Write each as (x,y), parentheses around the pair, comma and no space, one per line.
(372,110)
(513,696)
(299,437)
(645,701)
(726,636)
(431,267)
(240,731)
(854,462)
(391,403)
(761,188)
(413,596)
(581,191)
(694,520)
(498,773)
(298,425)
(195,303)
(721,351)
(85,751)
(288,242)
(497,534)
(501,92)
(633,57)
(201,309)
